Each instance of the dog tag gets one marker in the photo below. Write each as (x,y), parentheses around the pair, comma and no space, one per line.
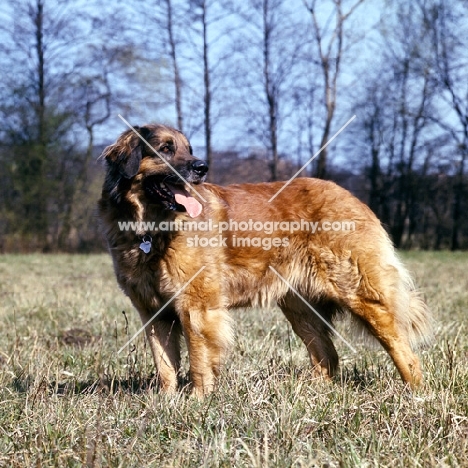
(146,244)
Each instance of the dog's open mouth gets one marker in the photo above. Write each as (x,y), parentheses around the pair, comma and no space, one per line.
(172,197)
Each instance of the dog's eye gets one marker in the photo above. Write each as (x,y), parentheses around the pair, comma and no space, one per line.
(166,149)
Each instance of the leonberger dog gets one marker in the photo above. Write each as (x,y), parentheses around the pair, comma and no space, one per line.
(247,245)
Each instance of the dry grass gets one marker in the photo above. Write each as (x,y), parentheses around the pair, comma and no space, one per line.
(68,399)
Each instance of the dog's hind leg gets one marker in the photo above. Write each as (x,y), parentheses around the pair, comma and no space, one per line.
(379,319)
(164,339)
(314,333)
(391,310)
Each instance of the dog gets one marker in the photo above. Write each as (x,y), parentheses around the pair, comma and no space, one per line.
(185,281)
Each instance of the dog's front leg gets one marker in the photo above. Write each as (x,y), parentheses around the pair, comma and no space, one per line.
(208,335)
(164,339)
(201,373)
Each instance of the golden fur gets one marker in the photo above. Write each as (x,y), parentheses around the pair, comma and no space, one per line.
(335,271)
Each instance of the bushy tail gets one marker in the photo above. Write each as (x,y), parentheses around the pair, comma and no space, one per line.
(412,314)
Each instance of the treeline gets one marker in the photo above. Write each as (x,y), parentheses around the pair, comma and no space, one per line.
(262,84)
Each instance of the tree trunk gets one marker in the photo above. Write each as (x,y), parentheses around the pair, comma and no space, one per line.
(321,171)
(270,93)
(457,207)
(175,67)
(207,84)
(374,177)
(37,209)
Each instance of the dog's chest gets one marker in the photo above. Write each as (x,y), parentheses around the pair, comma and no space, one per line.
(140,276)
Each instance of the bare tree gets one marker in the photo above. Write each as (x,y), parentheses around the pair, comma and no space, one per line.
(167,16)
(173,53)
(370,140)
(270,55)
(199,12)
(93,103)
(271,85)
(34,116)
(209,60)
(45,60)
(203,18)
(330,47)
(396,110)
(446,21)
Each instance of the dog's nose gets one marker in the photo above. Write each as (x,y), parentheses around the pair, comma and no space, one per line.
(200,167)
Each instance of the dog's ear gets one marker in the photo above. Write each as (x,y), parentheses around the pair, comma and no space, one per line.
(126,152)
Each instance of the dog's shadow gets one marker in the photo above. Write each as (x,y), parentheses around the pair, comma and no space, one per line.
(358,378)
(25,383)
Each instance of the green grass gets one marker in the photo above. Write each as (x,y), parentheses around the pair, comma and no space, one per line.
(68,398)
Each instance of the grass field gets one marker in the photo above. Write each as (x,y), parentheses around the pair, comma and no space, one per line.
(68,398)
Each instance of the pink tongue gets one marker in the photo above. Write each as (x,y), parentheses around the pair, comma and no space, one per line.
(192,205)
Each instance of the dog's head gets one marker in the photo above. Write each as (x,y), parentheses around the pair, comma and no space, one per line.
(161,158)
